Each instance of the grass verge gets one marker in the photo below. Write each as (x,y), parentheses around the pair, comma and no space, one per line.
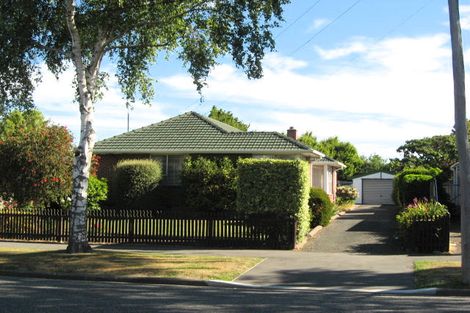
(442,274)
(105,263)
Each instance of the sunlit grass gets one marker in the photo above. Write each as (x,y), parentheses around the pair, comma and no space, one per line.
(443,274)
(105,263)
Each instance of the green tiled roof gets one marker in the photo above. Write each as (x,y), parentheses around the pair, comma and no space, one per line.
(192,133)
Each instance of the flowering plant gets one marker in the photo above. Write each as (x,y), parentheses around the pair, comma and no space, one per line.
(420,210)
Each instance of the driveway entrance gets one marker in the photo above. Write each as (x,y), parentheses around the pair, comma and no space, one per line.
(368,229)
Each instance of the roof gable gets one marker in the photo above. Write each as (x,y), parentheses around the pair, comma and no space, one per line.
(193,133)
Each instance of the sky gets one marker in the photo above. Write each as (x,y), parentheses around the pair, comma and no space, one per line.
(374,73)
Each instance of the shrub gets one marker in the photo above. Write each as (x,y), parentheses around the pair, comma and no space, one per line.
(424,226)
(36,160)
(413,183)
(97,192)
(421,210)
(133,179)
(275,188)
(209,184)
(321,207)
(346,195)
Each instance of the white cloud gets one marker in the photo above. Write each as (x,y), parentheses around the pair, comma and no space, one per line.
(343,51)
(465,17)
(318,23)
(55,98)
(397,89)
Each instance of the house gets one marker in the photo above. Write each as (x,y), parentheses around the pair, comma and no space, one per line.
(190,134)
(453,188)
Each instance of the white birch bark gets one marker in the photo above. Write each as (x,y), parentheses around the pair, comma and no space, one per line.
(461,134)
(78,240)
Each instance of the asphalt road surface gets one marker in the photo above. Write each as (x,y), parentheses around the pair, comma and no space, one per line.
(45,295)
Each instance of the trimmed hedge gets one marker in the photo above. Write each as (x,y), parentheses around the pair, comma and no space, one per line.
(321,207)
(413,183)
(134,179)
(275,188)
(209,184)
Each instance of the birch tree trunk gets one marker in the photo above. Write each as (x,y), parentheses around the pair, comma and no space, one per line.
(78,240)
(461,134)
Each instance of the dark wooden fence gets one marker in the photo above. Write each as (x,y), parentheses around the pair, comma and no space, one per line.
(428,235)
(221,229)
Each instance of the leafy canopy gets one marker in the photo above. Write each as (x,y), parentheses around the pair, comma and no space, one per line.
(342,151)
(36,159)
(132,34)
(227,118)
(372,164)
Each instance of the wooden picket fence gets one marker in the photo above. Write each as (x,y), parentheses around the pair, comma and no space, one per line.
(217,229)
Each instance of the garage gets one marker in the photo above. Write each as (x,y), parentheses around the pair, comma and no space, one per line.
(374,188)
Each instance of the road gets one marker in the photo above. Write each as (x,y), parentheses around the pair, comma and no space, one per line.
(44,295)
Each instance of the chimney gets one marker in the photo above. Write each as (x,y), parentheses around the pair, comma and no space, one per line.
(292,133)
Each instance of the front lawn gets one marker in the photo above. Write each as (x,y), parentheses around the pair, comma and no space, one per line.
(442,274)
(114,264)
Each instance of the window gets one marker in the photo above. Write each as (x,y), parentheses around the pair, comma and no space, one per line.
(329,181)
(171,169)
(317,177)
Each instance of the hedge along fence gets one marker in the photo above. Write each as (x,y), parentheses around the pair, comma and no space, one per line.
(413,183)
(209,184)
(275,188)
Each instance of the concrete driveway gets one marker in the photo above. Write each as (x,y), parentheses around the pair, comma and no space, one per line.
(358,250)
(368,229)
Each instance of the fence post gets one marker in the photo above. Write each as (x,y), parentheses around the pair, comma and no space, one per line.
(131,230)
(210,228)
(58,228)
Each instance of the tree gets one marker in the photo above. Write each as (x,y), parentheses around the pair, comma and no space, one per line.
(132,34)
(461,133)
(310,140)
(437,151)
(373,163)
(36,159)
(227,118)
(344,152)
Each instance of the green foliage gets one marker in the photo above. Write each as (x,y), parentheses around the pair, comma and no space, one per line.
(413,183)
(209,184)
(342,151)
(346,194)
(97,192)
(437,152)
(133,34)
(310,140)
(227,118)
(133,179)
(421,210)
(36,166)
(275,188)
(321,207)
(373,164)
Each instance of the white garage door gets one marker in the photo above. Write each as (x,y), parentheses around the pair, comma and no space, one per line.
(377,191)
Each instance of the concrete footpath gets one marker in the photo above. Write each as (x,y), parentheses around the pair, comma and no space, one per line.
(357,251)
